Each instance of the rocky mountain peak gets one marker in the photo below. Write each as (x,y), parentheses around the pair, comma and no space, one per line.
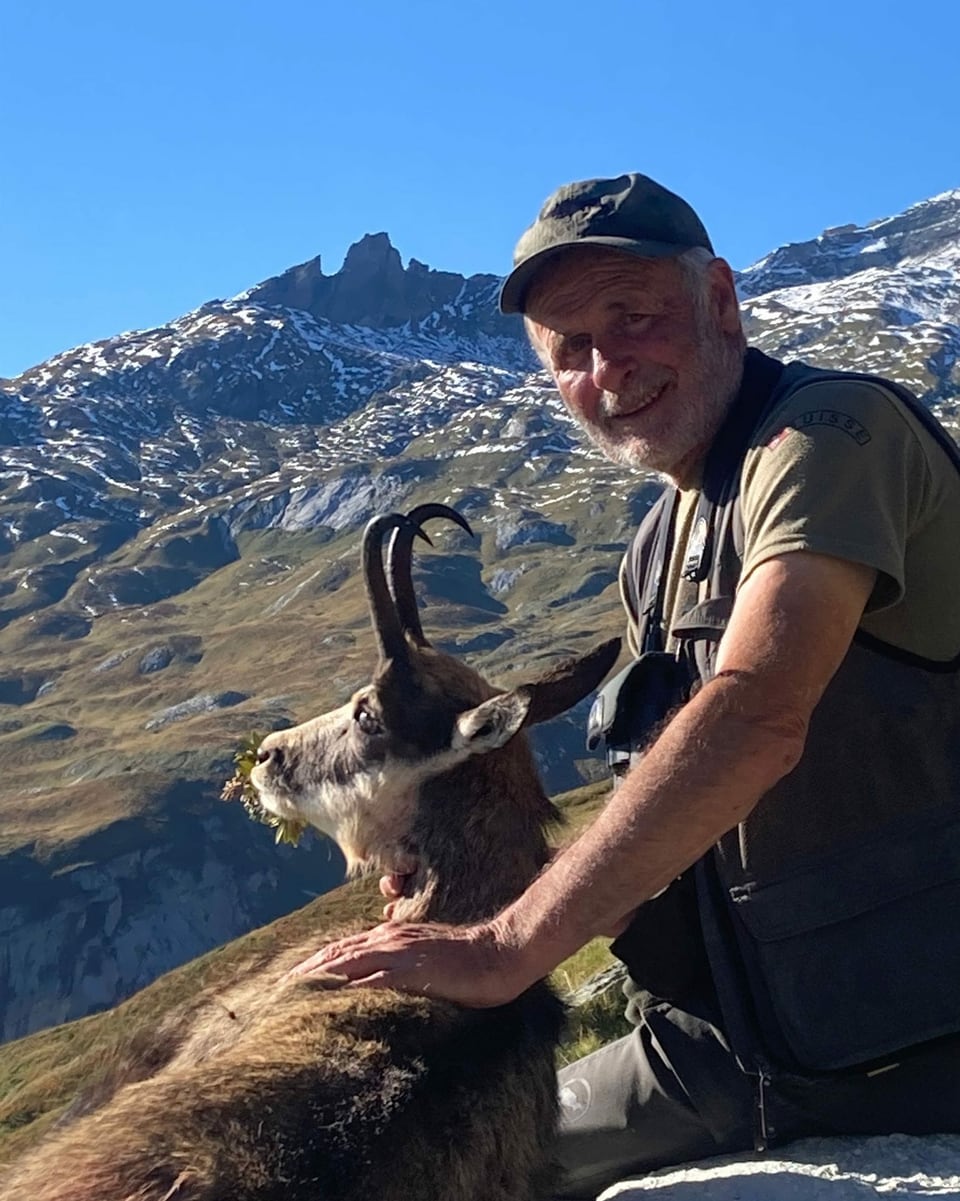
(921,232)
(374,255)
(373,289)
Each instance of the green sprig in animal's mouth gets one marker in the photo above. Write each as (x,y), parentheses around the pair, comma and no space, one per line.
(240,788)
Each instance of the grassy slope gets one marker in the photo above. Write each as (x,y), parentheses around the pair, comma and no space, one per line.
(41,1074)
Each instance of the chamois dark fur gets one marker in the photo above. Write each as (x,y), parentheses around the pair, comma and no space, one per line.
(276,1088)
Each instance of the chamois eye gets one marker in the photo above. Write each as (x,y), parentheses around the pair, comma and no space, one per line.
(366,721)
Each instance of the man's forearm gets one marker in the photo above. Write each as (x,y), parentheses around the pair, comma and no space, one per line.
(704,774)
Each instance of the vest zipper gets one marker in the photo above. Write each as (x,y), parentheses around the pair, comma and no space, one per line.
(762,1130)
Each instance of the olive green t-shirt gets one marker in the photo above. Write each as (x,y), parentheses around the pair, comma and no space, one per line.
(842,468)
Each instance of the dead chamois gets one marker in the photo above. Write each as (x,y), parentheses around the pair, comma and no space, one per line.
(276,1089)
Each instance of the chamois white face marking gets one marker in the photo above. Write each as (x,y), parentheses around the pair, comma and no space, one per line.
(339,774)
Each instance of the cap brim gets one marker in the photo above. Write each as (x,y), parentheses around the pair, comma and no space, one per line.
(514,289)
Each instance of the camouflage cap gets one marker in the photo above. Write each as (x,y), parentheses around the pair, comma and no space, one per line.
(631,213)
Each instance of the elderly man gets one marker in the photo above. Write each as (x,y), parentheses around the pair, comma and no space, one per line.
(782,858)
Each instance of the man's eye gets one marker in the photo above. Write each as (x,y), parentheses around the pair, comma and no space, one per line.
(636,318)
(574,348)
(367,722)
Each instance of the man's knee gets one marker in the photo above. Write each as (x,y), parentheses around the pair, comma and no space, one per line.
(625,1109)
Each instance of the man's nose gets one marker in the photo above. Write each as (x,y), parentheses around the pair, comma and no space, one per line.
(611,367)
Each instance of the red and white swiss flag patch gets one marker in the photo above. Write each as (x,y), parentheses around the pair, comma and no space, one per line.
(780,437)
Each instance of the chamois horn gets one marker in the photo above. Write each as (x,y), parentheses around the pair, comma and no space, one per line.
(400,564)
(383,613)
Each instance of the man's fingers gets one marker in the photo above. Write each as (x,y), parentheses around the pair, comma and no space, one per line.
(315,961)
(373,980)
(326,980)
(326,955)
(339,956)
(359,968)
(392,885)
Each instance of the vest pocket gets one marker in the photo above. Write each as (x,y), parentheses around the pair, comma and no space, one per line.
(706,620)
(699,631)
(859,956)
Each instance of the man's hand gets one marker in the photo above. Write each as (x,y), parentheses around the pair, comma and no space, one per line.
(393,886)
(472,965)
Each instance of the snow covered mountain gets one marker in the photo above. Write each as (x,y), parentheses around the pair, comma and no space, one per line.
(881,298)
(179,517)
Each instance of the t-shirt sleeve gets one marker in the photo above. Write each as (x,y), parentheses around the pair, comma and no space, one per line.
(839,470)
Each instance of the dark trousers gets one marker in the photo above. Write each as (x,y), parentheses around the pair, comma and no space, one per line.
(672,1091)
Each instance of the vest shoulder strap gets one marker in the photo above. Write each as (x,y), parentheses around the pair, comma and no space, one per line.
(644,571)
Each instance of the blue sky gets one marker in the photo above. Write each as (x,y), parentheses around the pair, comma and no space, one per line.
(156,156)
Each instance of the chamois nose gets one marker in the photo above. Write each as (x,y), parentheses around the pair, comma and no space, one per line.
(267,753)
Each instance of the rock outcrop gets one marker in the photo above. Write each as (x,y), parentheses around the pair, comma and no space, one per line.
(815,1169)
(86,924)
(373,289)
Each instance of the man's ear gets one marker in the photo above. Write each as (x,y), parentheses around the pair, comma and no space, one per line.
(723,295)
(491,724)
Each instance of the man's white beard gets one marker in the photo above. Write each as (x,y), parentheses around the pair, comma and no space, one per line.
(714,379)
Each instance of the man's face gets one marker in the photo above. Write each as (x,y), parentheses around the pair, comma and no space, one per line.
(646,358)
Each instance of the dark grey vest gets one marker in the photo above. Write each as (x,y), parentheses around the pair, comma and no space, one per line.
(830,917)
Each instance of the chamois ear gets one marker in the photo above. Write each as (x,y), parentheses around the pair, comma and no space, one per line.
(490,724)
(559,688)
